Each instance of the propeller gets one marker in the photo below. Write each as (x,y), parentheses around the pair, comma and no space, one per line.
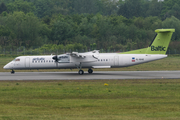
(56,60)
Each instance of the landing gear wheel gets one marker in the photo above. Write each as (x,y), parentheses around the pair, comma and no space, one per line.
(12,72)
(90,71)
(81,72)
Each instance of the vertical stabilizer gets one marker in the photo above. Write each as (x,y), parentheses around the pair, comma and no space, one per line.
(161,42)
(159,45)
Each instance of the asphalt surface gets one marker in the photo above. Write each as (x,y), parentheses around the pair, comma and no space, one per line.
(94,76)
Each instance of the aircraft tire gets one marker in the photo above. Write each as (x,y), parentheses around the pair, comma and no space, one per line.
(90,71)
(12,72)
(81,72)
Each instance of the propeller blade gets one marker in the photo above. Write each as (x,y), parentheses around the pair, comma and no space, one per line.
(55,58)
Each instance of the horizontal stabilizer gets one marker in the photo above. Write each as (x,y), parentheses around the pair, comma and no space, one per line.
(164,30)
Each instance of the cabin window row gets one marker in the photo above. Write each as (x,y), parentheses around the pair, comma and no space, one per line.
(104,60)
(43,61)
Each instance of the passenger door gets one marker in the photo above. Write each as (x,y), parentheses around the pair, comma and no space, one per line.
(116,60)
(27,62)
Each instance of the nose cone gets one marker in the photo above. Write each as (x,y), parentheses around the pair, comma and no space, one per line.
(7,66)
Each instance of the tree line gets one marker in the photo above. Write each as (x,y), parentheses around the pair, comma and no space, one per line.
(95,24)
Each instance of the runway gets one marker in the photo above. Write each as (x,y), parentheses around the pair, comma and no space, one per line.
(97,75)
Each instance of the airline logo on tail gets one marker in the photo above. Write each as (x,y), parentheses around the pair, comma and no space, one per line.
(158,48)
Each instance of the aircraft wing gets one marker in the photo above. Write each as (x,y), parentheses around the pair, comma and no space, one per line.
(78,55)
(84,57)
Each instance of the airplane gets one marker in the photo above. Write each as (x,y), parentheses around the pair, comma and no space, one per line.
(93,59)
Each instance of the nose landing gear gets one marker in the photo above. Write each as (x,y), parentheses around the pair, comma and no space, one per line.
(12,72)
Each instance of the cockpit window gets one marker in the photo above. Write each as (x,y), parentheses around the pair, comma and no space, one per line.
(17,59)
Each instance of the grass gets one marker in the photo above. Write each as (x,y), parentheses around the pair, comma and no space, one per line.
(169,63)
(85,100)
(97,100)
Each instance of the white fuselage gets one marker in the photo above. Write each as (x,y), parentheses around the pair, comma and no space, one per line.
(104,60)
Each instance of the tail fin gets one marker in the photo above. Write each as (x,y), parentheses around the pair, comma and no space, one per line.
(161,42)
(159,45)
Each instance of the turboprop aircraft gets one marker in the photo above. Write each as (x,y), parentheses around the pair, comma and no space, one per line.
(93,59)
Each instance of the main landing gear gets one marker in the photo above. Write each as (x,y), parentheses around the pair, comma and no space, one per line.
(81,72)
(12,72)
(90,71)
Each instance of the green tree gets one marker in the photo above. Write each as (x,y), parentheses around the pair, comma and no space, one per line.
(110,7)
(85,6)
(20,5)
(131,8)
(2,7)
(173,22)
(154,8)
(85,27)
(44,8)
(175,11)
(167,6)
(85,40)
(63,30)
(4,36)
(24,29)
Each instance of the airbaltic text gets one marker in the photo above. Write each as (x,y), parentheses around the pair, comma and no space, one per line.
(159,48)
(37,59)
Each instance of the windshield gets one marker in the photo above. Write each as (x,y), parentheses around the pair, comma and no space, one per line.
(17,59)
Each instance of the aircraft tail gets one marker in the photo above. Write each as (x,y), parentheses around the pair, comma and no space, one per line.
(161,42)
(159,45)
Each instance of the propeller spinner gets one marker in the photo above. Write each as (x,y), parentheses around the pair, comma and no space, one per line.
(55,58)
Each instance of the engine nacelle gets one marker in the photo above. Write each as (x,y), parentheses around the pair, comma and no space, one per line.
(64,58)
